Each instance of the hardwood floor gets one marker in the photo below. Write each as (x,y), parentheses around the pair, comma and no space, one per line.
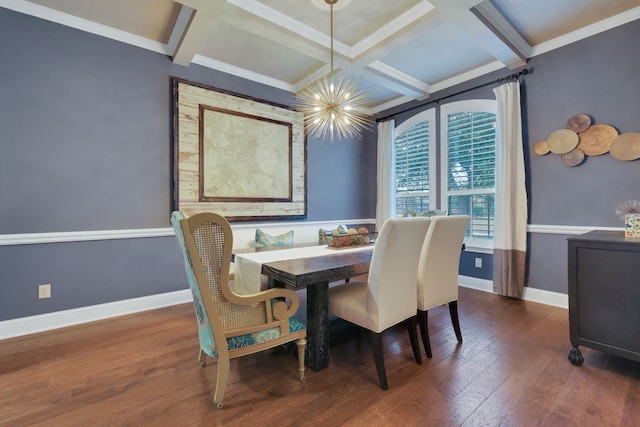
(142,369)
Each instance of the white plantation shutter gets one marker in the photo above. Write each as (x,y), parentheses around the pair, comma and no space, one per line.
(469,128)
(413,164)
(472,145)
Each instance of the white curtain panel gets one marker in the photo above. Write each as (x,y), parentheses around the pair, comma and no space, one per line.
(385,203)
(510,232)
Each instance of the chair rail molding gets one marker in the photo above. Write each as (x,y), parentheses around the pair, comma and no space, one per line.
(80,236)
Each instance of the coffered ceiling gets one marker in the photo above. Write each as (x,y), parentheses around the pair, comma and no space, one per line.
(402,49)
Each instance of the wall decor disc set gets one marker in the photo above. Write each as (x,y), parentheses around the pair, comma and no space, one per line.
(581,139)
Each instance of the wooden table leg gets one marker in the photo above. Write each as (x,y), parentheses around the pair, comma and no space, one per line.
(317,354)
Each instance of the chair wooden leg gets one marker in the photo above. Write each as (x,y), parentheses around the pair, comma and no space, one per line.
(202,358)
(376,342)
(302,346)
(221,381)
(413,336)
(453,311)
(424,332)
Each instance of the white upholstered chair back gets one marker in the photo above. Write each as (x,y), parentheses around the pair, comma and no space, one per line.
(393,272)
(440,260)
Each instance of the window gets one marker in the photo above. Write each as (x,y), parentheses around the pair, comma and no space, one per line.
(468,159)
(414,163)
(467,162)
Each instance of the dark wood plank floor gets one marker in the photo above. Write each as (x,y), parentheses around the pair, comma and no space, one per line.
(142,369)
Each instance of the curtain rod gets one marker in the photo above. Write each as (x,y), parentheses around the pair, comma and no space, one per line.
(431,101)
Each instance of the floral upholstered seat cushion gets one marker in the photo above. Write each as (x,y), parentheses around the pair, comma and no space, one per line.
(242,341)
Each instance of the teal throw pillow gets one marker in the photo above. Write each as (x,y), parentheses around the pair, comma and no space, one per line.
(265,240)
(435,212)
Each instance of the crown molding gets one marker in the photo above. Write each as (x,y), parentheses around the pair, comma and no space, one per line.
(242,72)
(588,31)
(82,24)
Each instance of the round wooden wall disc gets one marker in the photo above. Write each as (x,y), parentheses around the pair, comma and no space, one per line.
(541,148)
(579,123)
(626,146)
(562,141)
(572,158)
(597,139)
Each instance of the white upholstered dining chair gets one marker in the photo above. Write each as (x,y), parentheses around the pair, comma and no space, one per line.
(389,295)
(438,271)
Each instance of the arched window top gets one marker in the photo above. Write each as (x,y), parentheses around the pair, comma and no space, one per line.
(424,116)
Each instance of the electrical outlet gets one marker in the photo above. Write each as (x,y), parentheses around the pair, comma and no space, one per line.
(478,262)
(44,291)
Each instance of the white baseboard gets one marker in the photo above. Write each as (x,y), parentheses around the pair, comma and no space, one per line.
(541,296)
(555,299)
(59,319)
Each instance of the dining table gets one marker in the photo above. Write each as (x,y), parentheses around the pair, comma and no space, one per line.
(312,268)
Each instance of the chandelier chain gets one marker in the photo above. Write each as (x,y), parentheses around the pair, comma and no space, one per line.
(331,20)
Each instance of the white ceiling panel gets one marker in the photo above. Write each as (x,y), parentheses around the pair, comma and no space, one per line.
(404,49)
(257,54)
(430,56)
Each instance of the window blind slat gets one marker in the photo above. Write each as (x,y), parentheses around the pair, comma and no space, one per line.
(471,165)
(412,168)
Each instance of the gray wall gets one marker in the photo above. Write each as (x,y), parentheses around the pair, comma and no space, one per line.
(597,76)
(86,145)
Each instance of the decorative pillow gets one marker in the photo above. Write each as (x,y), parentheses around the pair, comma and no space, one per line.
(428,213)
(264,240)
(435,212)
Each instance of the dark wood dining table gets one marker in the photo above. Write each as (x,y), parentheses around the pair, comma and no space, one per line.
(315,274)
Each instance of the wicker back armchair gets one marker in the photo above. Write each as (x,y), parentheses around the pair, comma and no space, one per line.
(231,325)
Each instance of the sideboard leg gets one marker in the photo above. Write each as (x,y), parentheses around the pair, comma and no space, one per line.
(575,356)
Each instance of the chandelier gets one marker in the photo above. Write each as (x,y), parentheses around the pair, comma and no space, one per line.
(333,105)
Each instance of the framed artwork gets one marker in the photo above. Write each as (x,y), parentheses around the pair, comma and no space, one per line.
(241,157)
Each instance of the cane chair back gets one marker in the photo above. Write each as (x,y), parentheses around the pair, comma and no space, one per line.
(231,325)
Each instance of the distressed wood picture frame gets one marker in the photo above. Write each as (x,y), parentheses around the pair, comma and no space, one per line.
(241,157)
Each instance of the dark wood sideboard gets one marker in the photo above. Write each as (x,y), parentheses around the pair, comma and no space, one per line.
(604,294)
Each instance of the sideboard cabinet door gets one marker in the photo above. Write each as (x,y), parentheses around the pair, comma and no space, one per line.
(604,294)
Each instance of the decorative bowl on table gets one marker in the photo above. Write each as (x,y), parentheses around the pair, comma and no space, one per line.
(352,238)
